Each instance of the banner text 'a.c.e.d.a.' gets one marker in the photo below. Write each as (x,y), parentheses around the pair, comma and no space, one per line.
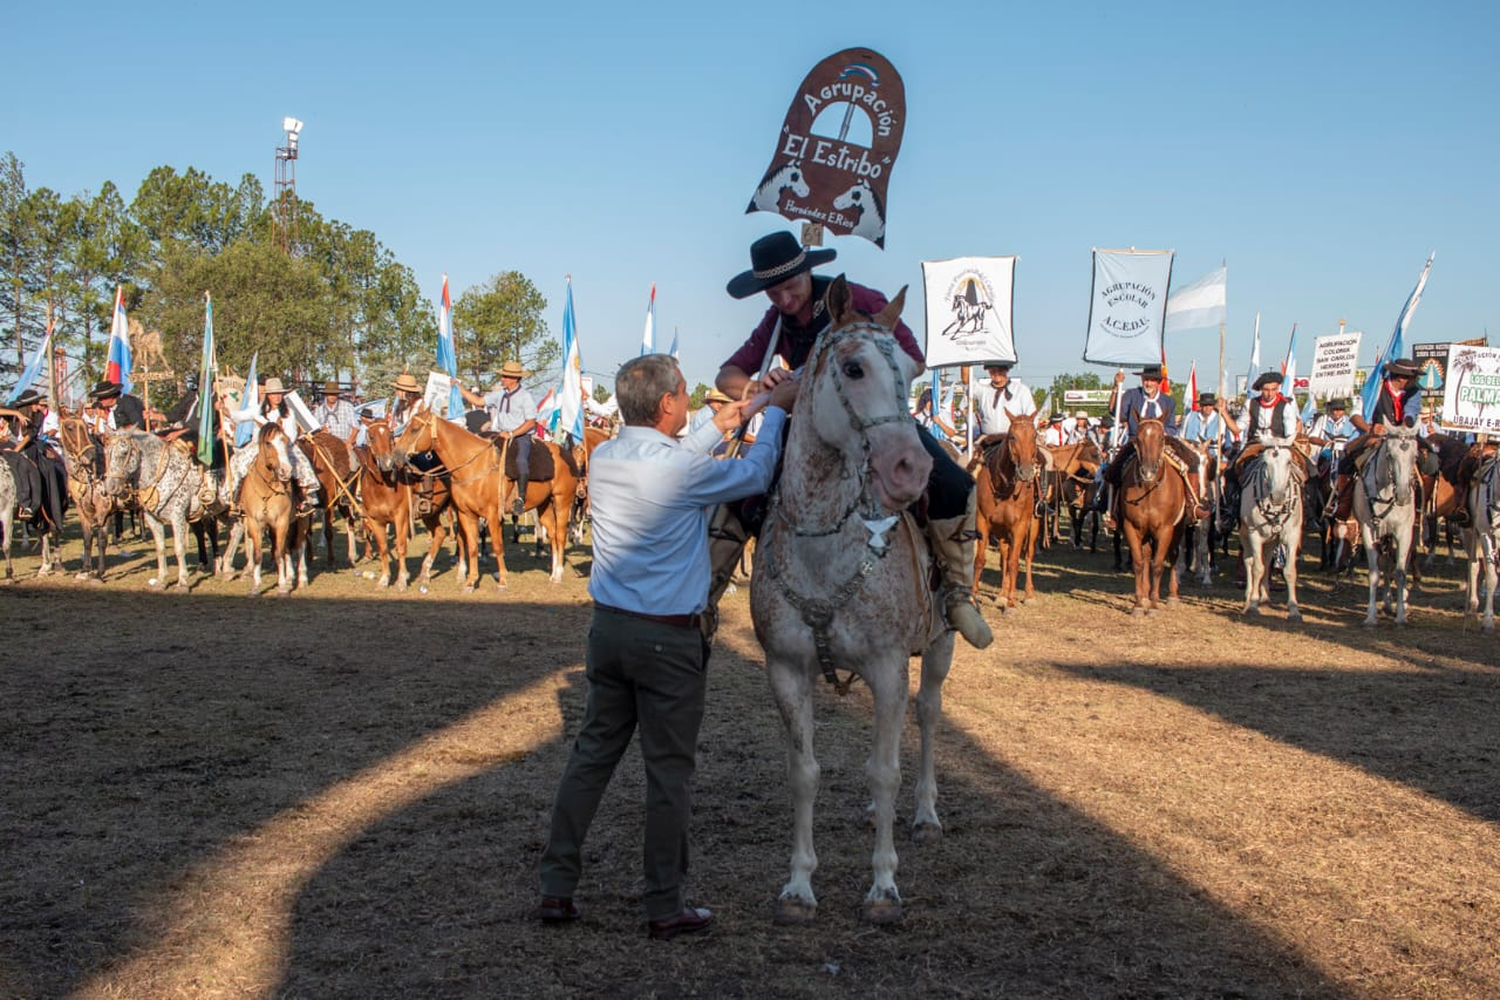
(838,146)
(969,314)
(1127,306)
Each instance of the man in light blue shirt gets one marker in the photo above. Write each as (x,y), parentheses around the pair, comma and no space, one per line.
(513,418)
(650,499)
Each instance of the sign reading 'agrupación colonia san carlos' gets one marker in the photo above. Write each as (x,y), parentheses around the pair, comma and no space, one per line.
(837,147)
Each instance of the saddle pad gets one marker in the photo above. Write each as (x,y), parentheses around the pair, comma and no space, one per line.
(541,463)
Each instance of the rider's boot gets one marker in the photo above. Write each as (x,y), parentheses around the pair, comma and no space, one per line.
(953,543)
(1110,521)
(518,505)
(309,501)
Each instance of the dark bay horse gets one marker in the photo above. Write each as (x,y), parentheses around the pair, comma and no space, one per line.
(1154,499)
(1009,491)
(386,497)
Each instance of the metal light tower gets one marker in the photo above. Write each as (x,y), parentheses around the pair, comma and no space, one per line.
(284,206)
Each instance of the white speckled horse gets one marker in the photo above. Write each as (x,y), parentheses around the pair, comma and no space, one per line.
(1270,514)
(841,582)
(165,479)
(1385,506)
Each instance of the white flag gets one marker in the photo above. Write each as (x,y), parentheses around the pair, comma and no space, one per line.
(1127,308)
(1199,305)
(969,317)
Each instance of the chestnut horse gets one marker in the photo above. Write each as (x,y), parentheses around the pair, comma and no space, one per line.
(337,483)
(1009,490)
(477,485)
(84,458)
(1154,499)
(386,499)
(266,499)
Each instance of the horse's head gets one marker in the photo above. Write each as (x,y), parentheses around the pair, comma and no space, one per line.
(1398,461)
(122,462)
(1150,449)
(1276,458)
(858,381)
(795,179)
(859,196)
(274,455)
(74,435)
(381,445)
(420,435)
(1020,440)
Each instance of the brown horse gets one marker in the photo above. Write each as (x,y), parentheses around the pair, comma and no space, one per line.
(84,460)
(337,484)
(1154,498)
(1009,490)
(593,437)
(386,496)
(477,484)
(266,499)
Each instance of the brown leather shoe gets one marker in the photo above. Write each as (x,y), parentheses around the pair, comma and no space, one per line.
(556,910)
(691,920)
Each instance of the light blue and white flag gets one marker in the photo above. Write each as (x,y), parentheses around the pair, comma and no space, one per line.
(673,351)
(1128,306)
(249,400)
(1254,368)
(570,400)
(1200,305)
(1396,346)
(33,368)
(447,355)
(1289,368)
(648,335)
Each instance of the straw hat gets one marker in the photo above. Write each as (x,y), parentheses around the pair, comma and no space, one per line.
(715,396)
(273,384)
(406,382)
(331,389)
(513,369)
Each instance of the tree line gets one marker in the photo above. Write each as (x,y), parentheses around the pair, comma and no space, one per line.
(336,302)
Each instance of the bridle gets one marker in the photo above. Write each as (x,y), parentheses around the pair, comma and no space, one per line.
(1375,490)
(1272,511)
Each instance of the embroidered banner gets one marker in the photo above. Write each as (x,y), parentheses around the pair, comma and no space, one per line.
(1127,307)
(970,320)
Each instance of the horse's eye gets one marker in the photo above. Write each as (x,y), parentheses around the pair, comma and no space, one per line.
(854,369)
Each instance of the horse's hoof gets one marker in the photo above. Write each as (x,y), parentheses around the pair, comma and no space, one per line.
(1293,615)
(926,833)
(468,589)
(1152,611)
(1251,611)
(794,912)
(154,583)
(1488,627)
(1173,602)
(1369,623)
(881,911)
(1137,612)
(83,576)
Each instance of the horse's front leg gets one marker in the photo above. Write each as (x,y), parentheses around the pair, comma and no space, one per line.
(179,549)
(157,529)
(301,550)
(888,682)
(559,539)
(936,661)
(402,530)
(1399,578)
(1491,579)
(1250,558)
(252,553)
(469,535)
(1030,592)
(1372,559)
(496,520)
(1140,567)
(791,686)
(1293,541)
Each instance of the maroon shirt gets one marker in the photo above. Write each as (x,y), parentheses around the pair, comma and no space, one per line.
(797,341)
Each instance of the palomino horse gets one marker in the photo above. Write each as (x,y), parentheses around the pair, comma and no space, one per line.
(477,485)
(1009,489)
(1482,540)
(1385,506)
(165,481)
(1153,496)
(386,496)
(1271,514)
(266,499)
(841,582)
(85,462)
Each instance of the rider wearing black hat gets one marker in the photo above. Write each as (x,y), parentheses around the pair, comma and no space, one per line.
(781,267)
(1399,402)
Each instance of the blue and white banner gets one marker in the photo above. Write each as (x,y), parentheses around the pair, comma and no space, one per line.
(969,316)
(1127,307)
(33,369)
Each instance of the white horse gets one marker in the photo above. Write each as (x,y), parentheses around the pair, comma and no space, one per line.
(1482,540)
(166,481)
(1271,512)
(840,582)
(1385,507)
(768,195)
(862,199)
(8,513)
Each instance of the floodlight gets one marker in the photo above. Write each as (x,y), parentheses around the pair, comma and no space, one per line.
(291,126)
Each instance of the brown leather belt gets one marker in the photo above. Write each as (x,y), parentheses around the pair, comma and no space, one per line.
(680,621)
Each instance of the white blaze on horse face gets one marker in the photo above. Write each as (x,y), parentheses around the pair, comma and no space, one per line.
(278,445)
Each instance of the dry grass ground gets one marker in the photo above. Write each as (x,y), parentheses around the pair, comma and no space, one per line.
(345,792)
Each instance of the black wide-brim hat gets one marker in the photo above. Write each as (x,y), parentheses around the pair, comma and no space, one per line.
(774,259)
(1268,378)
(28,398)
(105,389)
(1338,404)
(1207,399)
(1404,367)
(1151,371)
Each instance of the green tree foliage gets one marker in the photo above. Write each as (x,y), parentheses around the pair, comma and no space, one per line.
(16,240)
(696,399)
(499,321)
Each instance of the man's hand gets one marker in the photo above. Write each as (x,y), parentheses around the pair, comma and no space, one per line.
(731,417)
(784,391)
(1120,377)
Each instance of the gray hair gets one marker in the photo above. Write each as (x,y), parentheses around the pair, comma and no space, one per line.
(640,385)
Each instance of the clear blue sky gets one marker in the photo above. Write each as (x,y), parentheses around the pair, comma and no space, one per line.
(1321,150)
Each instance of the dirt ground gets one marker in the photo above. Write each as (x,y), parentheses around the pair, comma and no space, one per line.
(345,793)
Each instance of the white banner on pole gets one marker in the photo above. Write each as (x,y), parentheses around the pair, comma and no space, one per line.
(1127,307)
(969,315)
(1471,392)
(1334,361)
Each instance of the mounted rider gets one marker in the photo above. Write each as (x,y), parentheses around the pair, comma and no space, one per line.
(1269,413)
(273,409)
(1331,432)
(513,418)
(1399,402)
(782,268)
(1147,402)
(35,463)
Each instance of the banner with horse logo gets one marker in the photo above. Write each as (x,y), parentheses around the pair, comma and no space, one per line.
(1128,307)
(970,320)
(1471,392)
(837,147)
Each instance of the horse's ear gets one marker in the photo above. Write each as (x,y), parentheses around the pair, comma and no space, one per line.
(891,314)
(840,302)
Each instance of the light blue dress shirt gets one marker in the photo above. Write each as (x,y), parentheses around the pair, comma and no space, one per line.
(650,498)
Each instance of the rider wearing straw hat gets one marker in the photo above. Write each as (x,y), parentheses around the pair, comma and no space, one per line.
(273,409)
(782,268)
(513,416)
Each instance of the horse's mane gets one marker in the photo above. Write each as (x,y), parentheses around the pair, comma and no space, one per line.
(332,447)
(1451,452)
(266,430)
